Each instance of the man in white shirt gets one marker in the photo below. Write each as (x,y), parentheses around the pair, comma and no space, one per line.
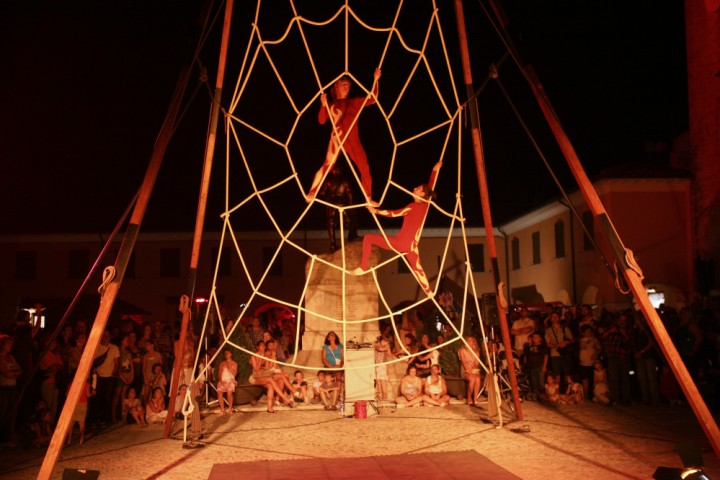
(522,328)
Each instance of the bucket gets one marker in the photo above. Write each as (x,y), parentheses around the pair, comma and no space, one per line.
(360,409)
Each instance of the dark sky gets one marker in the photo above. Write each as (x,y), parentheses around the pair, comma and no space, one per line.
(86,85)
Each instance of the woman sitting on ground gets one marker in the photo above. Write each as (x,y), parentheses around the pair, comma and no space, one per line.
(435,388)
(470,359)
(262,375)
(280,377)
(411,389)
(133,405)
(156,409)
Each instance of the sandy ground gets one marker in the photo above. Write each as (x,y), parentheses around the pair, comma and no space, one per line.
(572,441)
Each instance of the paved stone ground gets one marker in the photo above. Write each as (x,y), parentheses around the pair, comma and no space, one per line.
(568,442)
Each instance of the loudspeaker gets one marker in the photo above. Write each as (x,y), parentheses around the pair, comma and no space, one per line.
(80,474)
(489,310)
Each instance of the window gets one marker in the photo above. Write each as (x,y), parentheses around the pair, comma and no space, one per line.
(536,248)
(515,246)
(25,265)
(169,262)
(476,251)
(589,224)
(78,261)
(559,239)
(225,265)
(276,268)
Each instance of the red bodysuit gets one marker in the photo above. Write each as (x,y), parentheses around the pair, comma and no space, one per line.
(407,239)
(344,111)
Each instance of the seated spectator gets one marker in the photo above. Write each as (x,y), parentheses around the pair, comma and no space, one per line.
(156,411)
(332,352)
(316,386)
(133,406)
(159,379)
(263,376)
(552,391)
(574,392)
(411,389)
(329,392)
(43,429)
(80,413)
(435,389)
(281,378)
(300,393)
(601,392)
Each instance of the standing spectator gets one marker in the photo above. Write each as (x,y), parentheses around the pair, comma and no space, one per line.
(255,331)
(522,328)
(76,353)
(150,359)
(9,372)
(589,349)
(80,412)
(536,360)
(227,371)
(106,375)
(618,347)
(51,365)
(469,355)
(163,340)
(558,338)
(125,377)
(382,354)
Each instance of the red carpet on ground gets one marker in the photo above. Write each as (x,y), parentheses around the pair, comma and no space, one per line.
(434,465)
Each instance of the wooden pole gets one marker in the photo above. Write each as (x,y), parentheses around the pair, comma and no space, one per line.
(200,217)
(485,201)
(112,284)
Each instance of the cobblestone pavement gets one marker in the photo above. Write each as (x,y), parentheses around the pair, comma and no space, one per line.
(567,442)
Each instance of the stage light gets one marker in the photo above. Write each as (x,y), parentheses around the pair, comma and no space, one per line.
(201,300)
(670,473)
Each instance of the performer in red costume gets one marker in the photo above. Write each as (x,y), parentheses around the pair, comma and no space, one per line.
(343,112)
(406,241)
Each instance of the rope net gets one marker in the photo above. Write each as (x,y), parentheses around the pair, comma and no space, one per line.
(295,54)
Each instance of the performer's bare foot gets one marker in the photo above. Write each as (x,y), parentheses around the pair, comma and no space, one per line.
(357,271)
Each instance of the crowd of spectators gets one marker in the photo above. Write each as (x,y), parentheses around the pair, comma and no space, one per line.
(128,381)
(613,355)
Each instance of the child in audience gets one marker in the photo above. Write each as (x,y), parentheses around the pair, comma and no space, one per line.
(316,386)
(156,410)
(299,387)
(552,391)
(382,354)
(80,413)
(159,380)
(133,406)
(329,392)
(574,391)
(601,392)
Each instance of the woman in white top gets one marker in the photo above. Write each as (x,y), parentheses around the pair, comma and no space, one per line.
(435,388)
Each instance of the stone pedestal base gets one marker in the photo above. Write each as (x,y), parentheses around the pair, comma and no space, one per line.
(334,298)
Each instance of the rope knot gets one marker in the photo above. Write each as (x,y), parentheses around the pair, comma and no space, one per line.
(108,276)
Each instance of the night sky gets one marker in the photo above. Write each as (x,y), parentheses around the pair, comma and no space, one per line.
(86,85)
